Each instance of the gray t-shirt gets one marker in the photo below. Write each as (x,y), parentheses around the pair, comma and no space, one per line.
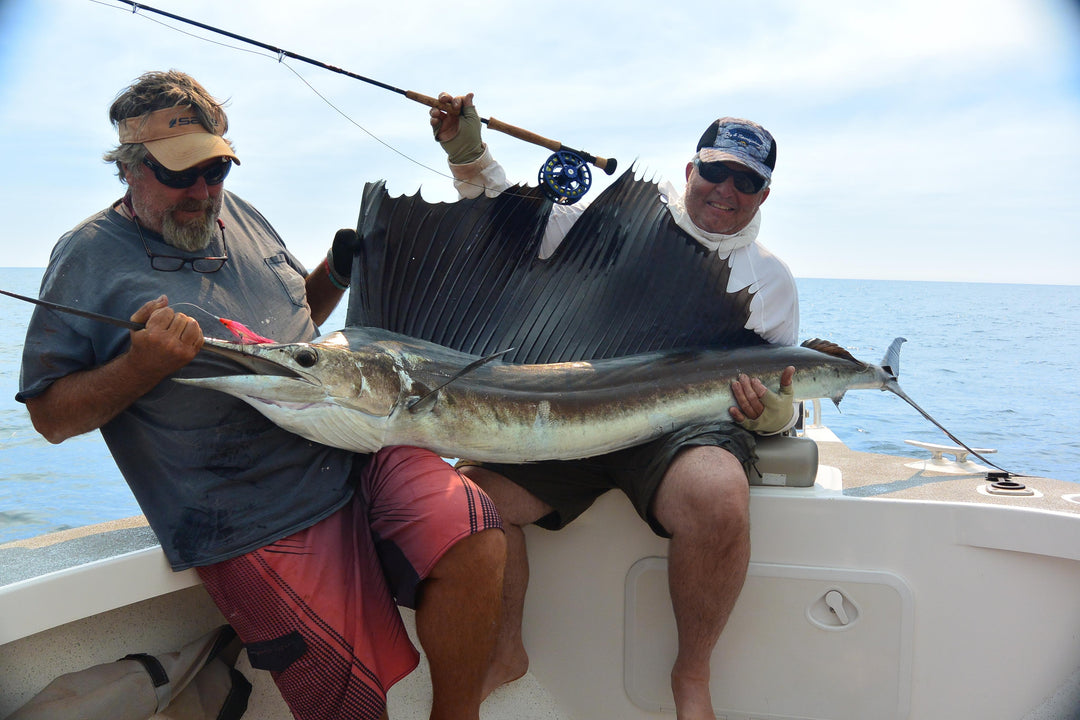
(214,478)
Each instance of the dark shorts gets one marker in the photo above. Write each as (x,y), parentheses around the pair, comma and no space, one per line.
(571,486)
(317,609)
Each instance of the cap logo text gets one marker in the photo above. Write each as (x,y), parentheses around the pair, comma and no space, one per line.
(744,138)
(193,120)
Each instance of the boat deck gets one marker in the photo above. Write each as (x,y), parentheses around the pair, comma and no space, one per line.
(25,559)
(870,475)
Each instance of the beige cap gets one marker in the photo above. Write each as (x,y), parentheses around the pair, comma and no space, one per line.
(175,137)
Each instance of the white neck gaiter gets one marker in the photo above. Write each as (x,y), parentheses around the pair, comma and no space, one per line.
(722,244)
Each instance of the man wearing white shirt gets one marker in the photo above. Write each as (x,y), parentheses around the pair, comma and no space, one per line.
(690,486)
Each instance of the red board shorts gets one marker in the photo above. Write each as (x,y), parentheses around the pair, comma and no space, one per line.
(317,608)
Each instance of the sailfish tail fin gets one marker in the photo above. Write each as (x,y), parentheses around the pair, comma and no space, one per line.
(891,362)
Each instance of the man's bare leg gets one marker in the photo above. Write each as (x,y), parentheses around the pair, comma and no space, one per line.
(704,502)
(518,508)
(457,622)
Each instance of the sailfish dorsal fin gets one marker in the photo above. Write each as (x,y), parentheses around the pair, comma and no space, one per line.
(625,280)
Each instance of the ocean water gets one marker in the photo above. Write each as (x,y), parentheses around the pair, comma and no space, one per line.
(996,364)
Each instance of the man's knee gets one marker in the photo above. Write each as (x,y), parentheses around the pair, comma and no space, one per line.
(704,488)
(473,557)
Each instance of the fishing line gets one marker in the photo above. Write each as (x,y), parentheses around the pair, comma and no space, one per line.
(281,61)
(180,30)
(197,308)
(370,134)
(564,177)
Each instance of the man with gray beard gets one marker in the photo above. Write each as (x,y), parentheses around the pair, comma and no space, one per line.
(304,548)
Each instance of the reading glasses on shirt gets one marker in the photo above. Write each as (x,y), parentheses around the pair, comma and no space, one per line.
(747,183)
(183,179)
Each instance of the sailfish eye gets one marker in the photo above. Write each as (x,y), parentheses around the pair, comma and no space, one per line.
(306,357)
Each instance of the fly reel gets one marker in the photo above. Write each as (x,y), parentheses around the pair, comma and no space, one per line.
(565,177)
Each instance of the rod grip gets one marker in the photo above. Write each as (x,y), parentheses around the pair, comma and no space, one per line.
(522,134)
(427,100)
(605,164)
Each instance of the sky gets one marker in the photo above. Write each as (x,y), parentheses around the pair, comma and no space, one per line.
(917,140)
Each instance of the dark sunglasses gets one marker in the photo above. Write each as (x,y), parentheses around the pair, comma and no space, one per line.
(181,179)
(747,183)
(172,263)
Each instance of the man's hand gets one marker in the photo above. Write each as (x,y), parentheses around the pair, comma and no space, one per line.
(326,284)
(761,410)
(88,399)
(169,341)
(457,128)
(340,258)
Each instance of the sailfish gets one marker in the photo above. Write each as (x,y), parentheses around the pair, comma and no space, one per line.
(461,339)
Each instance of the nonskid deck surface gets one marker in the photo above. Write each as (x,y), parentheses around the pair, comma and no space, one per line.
(25,559)
(873,475)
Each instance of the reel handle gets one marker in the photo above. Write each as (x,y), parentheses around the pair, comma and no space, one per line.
(606,164)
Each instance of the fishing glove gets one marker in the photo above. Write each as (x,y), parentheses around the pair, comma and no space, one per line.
(466,146)
(340,258)
(780,413)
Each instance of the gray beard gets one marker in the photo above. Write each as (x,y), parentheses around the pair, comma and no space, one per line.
(194,235)
(190,237)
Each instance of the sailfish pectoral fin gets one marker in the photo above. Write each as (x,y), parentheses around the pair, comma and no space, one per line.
(427,400)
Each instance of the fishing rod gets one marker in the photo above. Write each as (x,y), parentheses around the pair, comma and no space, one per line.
(128,324)
(564,177)
(243,334)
